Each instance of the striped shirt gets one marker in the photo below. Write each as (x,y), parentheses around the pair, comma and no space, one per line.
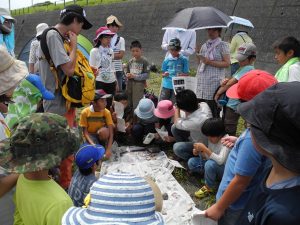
(117,47)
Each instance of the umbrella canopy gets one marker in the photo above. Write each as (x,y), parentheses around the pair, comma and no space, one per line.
(241,21)
(197,18)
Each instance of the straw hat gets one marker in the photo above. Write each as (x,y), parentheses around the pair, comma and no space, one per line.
(12,71)
(117,198)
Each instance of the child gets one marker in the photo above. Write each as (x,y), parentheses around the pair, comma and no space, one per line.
(174,65)
(246,56)
(97,123)
(39,199)
(287,53)
(165,112)
(87,159)
(119,198)
(244,164)
(137,72)
(145,120)
(213,156)
(274,123)
(101,57)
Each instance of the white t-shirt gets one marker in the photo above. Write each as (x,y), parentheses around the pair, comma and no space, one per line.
(120,46)
(102,58)
(187,39)
(294,72)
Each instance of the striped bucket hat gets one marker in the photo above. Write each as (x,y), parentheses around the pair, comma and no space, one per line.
(117,199)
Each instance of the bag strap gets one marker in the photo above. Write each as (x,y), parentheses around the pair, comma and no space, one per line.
(242,38)
(117,41)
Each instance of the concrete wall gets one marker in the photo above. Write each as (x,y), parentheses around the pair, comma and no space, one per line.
(143,20)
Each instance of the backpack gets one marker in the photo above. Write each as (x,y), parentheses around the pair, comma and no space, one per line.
(79,89)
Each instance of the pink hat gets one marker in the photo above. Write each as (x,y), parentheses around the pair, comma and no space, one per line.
(103,31)
(165,109)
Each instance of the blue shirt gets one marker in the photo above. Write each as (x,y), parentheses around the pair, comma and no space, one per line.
(243,160)
(268,206)
(174,66)
(233,103)
(80,187)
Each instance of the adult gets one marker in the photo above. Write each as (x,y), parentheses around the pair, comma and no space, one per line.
(241,37)
(213,59)
(7,30)
(33,62)
(118,46)
(72,20)
(187,39)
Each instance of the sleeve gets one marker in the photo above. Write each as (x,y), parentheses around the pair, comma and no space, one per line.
(108,118)
(294,73)
(94,60)
(222,156)
(185,68)
(190,123)
(145,72)
(192,44)
(83,118)
(248,160)
(122,44)
(57,50)
(165,41)
(55,214)
(32,52)
(164,67)
(225,48)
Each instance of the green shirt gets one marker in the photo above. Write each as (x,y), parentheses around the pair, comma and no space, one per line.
(40,202)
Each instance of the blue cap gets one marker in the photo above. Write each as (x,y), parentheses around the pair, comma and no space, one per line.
(145,109)
(88,154)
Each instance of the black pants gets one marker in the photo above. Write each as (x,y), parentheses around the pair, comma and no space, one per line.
(109,88)
(215,110)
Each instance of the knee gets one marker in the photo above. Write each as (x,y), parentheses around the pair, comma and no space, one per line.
(103,133)
(176,148)
(210,165)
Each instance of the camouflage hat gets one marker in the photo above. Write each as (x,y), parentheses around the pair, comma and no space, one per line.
(39,141)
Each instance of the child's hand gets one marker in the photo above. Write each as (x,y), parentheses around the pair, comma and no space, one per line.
(107,153)
(229,141)
(95,70)
(130,75)
(165,74)
(114,117)
(169,139)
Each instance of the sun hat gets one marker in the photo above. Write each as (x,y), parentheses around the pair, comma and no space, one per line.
(164,109)
(174,44)
(117,198)
(274,117)
(100,93)
(6,14)
(112,19)
(40,28)
(102,31)
(39,141)
(145,109)
(251,84)
(12,71)
(244,51)
(79,10)
(88,154)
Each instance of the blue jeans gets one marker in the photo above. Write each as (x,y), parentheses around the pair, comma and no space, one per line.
(167,94)
(119,75)
(140,130)
(196,164)
(183,150)
(212,172)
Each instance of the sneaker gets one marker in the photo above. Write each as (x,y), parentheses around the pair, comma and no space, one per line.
(202,192)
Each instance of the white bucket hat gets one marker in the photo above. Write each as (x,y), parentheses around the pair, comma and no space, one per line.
(12,71)
(40,28)
(117,199)
(6,14)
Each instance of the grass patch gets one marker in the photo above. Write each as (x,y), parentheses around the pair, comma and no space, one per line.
(49,6)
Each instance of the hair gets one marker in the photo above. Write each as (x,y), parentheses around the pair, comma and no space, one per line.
(119,96)
(250,57)
(98,41)
(288,43)
(88,171)
(187,101)
(113,24)
(4,98)
(68,17)
(135,44)
(213,127)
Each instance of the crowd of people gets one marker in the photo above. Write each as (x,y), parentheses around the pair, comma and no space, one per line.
(255,177)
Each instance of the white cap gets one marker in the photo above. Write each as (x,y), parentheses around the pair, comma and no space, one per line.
(40,28)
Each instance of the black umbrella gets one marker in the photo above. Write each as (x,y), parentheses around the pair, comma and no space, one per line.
(199,18)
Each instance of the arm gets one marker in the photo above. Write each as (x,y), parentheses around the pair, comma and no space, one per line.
(165,42)
(176,115)
(7,183)
(225,87)
(69,67)
(220,64)
(192,44)
(110,141)
(87,136)
(31,67)
(231,194)
(220,158)
(145,73)
(119,55)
